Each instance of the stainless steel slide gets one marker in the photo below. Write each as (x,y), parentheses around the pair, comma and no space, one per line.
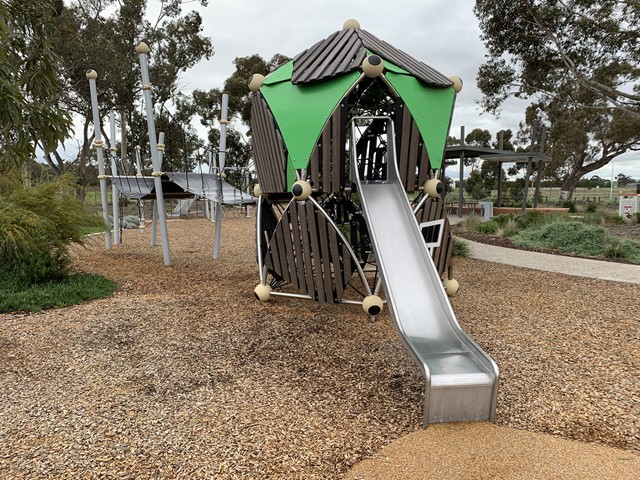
(461,379)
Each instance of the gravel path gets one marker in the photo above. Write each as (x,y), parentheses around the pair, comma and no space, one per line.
(182,374)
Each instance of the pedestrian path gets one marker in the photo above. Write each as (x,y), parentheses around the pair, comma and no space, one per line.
(582,267)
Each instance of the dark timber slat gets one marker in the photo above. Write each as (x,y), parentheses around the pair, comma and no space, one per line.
(315,251)
(337,54)
(326,66)
(403,160)
(296,241)
(281,245)
(336,149)
(423,166)
(326,257)
(288,254)
(269,150)
(347,270)
(315,164)
(424,72)
(327,184)
(337,263)
(413,157)
(306,251)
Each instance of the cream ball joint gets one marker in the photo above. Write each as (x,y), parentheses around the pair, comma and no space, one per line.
(301,190)
(372,304)
(262,292)
(372,66)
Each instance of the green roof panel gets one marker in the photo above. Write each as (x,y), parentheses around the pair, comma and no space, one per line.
(280,74)
(301,111)
(430,107)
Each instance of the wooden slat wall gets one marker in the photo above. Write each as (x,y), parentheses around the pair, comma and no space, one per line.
(268,147)
(327,163)
(434,210)
(412,157)
(307,252)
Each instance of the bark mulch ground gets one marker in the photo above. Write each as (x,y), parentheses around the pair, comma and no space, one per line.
(183,374)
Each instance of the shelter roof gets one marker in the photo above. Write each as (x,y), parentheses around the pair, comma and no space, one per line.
(494,154)
(344,50)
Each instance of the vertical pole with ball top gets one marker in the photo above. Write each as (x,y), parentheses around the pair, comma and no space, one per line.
(143,51)
(221,160)
(115,194)
(97,143)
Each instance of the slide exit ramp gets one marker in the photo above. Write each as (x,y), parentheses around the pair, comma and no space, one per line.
(461,379)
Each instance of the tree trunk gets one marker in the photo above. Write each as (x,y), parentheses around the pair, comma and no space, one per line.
(578,171)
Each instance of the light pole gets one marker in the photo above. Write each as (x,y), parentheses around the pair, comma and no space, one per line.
(611,186)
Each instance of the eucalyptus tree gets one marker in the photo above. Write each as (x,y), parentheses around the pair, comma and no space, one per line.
(578,63)
(30,112)
(102,35)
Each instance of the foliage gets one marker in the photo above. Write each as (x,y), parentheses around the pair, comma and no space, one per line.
(489,227)
(460,248)
(95,35)
(130,222)
(578,62)
(566,236)
(37,225)
(14,296)
(622,248)
(592,207)
(29,84)
(469,222)
(571,205)
(616,220)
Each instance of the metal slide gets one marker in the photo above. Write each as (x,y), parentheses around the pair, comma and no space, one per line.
(461,379)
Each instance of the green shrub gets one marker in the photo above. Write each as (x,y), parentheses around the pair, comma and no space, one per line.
(566,236)
(592,207)
(37,225)
(616,220)
(130,222)
(460,248)
(504,219)
(470,222)
(531,218)
(570,204)
(622,248)
(488,227)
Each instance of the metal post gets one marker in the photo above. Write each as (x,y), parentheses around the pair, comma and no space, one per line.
(91,76)
(461,183)
(611,184)
(115,193)
(539,177)
(534,132)
(221,161)
(143,51)
(500,147)
(154,224)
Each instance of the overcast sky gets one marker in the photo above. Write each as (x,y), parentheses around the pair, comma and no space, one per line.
(441,33)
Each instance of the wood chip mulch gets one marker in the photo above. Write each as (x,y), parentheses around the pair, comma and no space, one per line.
(183,374)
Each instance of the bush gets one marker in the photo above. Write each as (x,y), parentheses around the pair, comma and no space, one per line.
(130,222)
(570,204)
(37,225)
(571,237)
(622,248)
(460,248)
(531,218)
(488,227)
(591,207)
(470,222)
(616,220)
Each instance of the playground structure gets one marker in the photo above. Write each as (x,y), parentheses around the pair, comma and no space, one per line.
(161,185)
(343,136)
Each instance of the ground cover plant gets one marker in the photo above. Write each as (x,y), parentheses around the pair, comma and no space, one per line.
(38,223)
(584,235)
